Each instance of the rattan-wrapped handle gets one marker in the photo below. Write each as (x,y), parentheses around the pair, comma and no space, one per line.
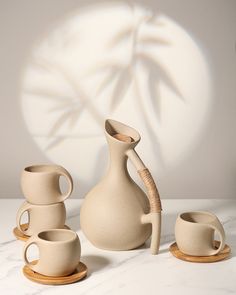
(153,194)
(154,216)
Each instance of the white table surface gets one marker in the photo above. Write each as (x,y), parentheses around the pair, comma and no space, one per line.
(127,272)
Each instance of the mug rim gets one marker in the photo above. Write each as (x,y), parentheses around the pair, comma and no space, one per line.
(42,205)
(198,212)
(72,239)
(35,169)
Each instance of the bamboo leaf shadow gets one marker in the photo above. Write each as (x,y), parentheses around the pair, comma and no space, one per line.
(71,106)
(153,86)
(158,73)
(55,142)
(121,36)
(123,82)
(112,73)
(74,118)
(125,74)
(154,40)
(68,116)
(47,94)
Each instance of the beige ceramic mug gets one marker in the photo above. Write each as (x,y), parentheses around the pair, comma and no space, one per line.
(59,252)
(194,233)
(40,184)
(41,217)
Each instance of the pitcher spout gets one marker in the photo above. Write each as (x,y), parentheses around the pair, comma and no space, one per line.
(121,134)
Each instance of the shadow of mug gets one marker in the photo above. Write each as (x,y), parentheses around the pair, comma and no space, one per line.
(95,263)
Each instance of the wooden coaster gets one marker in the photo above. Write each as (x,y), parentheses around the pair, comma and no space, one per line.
(201,259)
(76,276)
(20,236)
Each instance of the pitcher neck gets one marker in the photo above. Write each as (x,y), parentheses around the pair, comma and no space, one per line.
(118,161)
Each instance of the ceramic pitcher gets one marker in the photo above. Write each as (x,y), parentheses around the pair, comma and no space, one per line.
(116,214)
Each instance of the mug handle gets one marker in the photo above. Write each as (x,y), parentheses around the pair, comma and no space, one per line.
(33,240)
(63,172)
(217,226)
(25,207)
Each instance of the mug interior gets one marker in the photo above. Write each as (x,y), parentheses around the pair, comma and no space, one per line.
(197,217)
(57,235)
(40,168)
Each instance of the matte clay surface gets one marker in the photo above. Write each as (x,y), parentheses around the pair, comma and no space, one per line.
(127,272)
(77,275)
(59,252)
(116,214)
(194,233)
(41,217)
(20,236)
(225,253)
(40,184)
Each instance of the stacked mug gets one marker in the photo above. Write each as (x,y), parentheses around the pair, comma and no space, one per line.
(44,200)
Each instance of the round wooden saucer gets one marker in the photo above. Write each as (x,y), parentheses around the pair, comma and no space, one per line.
(201,259)
(77,275)
(20,236)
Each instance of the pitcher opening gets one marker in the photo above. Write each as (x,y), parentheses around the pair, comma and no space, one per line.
(121,131)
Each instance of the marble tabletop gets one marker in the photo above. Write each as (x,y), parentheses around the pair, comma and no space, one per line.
(127,272)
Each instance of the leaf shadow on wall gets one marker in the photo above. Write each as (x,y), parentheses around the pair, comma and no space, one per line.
(121,76)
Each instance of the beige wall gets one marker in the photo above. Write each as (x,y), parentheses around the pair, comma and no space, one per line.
(207,171)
